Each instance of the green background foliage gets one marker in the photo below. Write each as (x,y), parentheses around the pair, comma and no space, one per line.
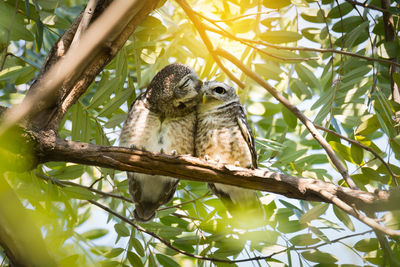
(345,93)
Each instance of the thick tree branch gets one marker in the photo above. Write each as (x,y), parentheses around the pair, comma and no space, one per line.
(77,69)
(191,168)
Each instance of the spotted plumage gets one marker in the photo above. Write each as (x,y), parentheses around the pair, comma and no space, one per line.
(224,135)
(163,118)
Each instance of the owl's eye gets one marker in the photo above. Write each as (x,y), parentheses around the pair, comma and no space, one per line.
(219,90)
(185,84)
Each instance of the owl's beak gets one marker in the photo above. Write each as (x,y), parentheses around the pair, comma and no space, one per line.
(204,98)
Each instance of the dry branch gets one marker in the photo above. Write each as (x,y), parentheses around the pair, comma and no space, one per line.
(185,167)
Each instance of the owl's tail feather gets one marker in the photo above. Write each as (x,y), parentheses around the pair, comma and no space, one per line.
(143,213)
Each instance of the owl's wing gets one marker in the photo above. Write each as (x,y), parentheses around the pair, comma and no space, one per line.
(247,134)
(132,117)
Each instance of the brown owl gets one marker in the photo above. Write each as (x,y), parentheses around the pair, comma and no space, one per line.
(223,134)
(162,119)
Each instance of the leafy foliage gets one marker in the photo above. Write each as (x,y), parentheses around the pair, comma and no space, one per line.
(348,93)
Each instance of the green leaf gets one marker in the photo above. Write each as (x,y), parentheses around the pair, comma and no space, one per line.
(278,37)
(319,256)
(357,154)
(137,246)
(347,24)
(342,150)
(114,253)
(304,240)
(289,118)
(68,173)
(134,259)
(166,261)
(115,103)
(357,35)
(370,124)
(121,229)
(340,10)
(103,93)
(15,24)
(314,213)
(343,217)
(307,76)
(269,71)
(78,193)
(94,233)
(12,73)
(367,245)
(314,15)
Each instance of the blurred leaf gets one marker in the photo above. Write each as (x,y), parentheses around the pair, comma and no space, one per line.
(15,24)
(278,37)
(114,252)
(94,233)
(340,10)
(137,246)
(343,217)
(276,4)
(307,76)
(289,118)
(319,256)
(314,213)
(166,261)
(134,259)
(347,24)
(303,240)
(121,229)
(78,193)
(367,244)
(357,154)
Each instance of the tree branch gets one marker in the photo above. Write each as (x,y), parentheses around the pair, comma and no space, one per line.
(79,66)
(185,167)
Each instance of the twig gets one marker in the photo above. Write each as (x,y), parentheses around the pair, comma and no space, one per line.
(310,126)
(299,48)
(360,145)
(168,244)
(86,18)
(232,36)
(184,203)
(365,5)
(368,221)
(64,183)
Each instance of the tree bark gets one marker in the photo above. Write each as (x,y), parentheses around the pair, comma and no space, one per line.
(186,167)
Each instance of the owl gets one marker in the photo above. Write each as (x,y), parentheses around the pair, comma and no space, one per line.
(162,119)
(224,135)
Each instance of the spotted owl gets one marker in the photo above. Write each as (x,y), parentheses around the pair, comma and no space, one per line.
(223,134)
(162,119)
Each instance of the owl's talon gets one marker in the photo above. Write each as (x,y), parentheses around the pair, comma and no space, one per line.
(207,157)
(162,151)
(173,152)
(143,148)
(132,146)
(237,164)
